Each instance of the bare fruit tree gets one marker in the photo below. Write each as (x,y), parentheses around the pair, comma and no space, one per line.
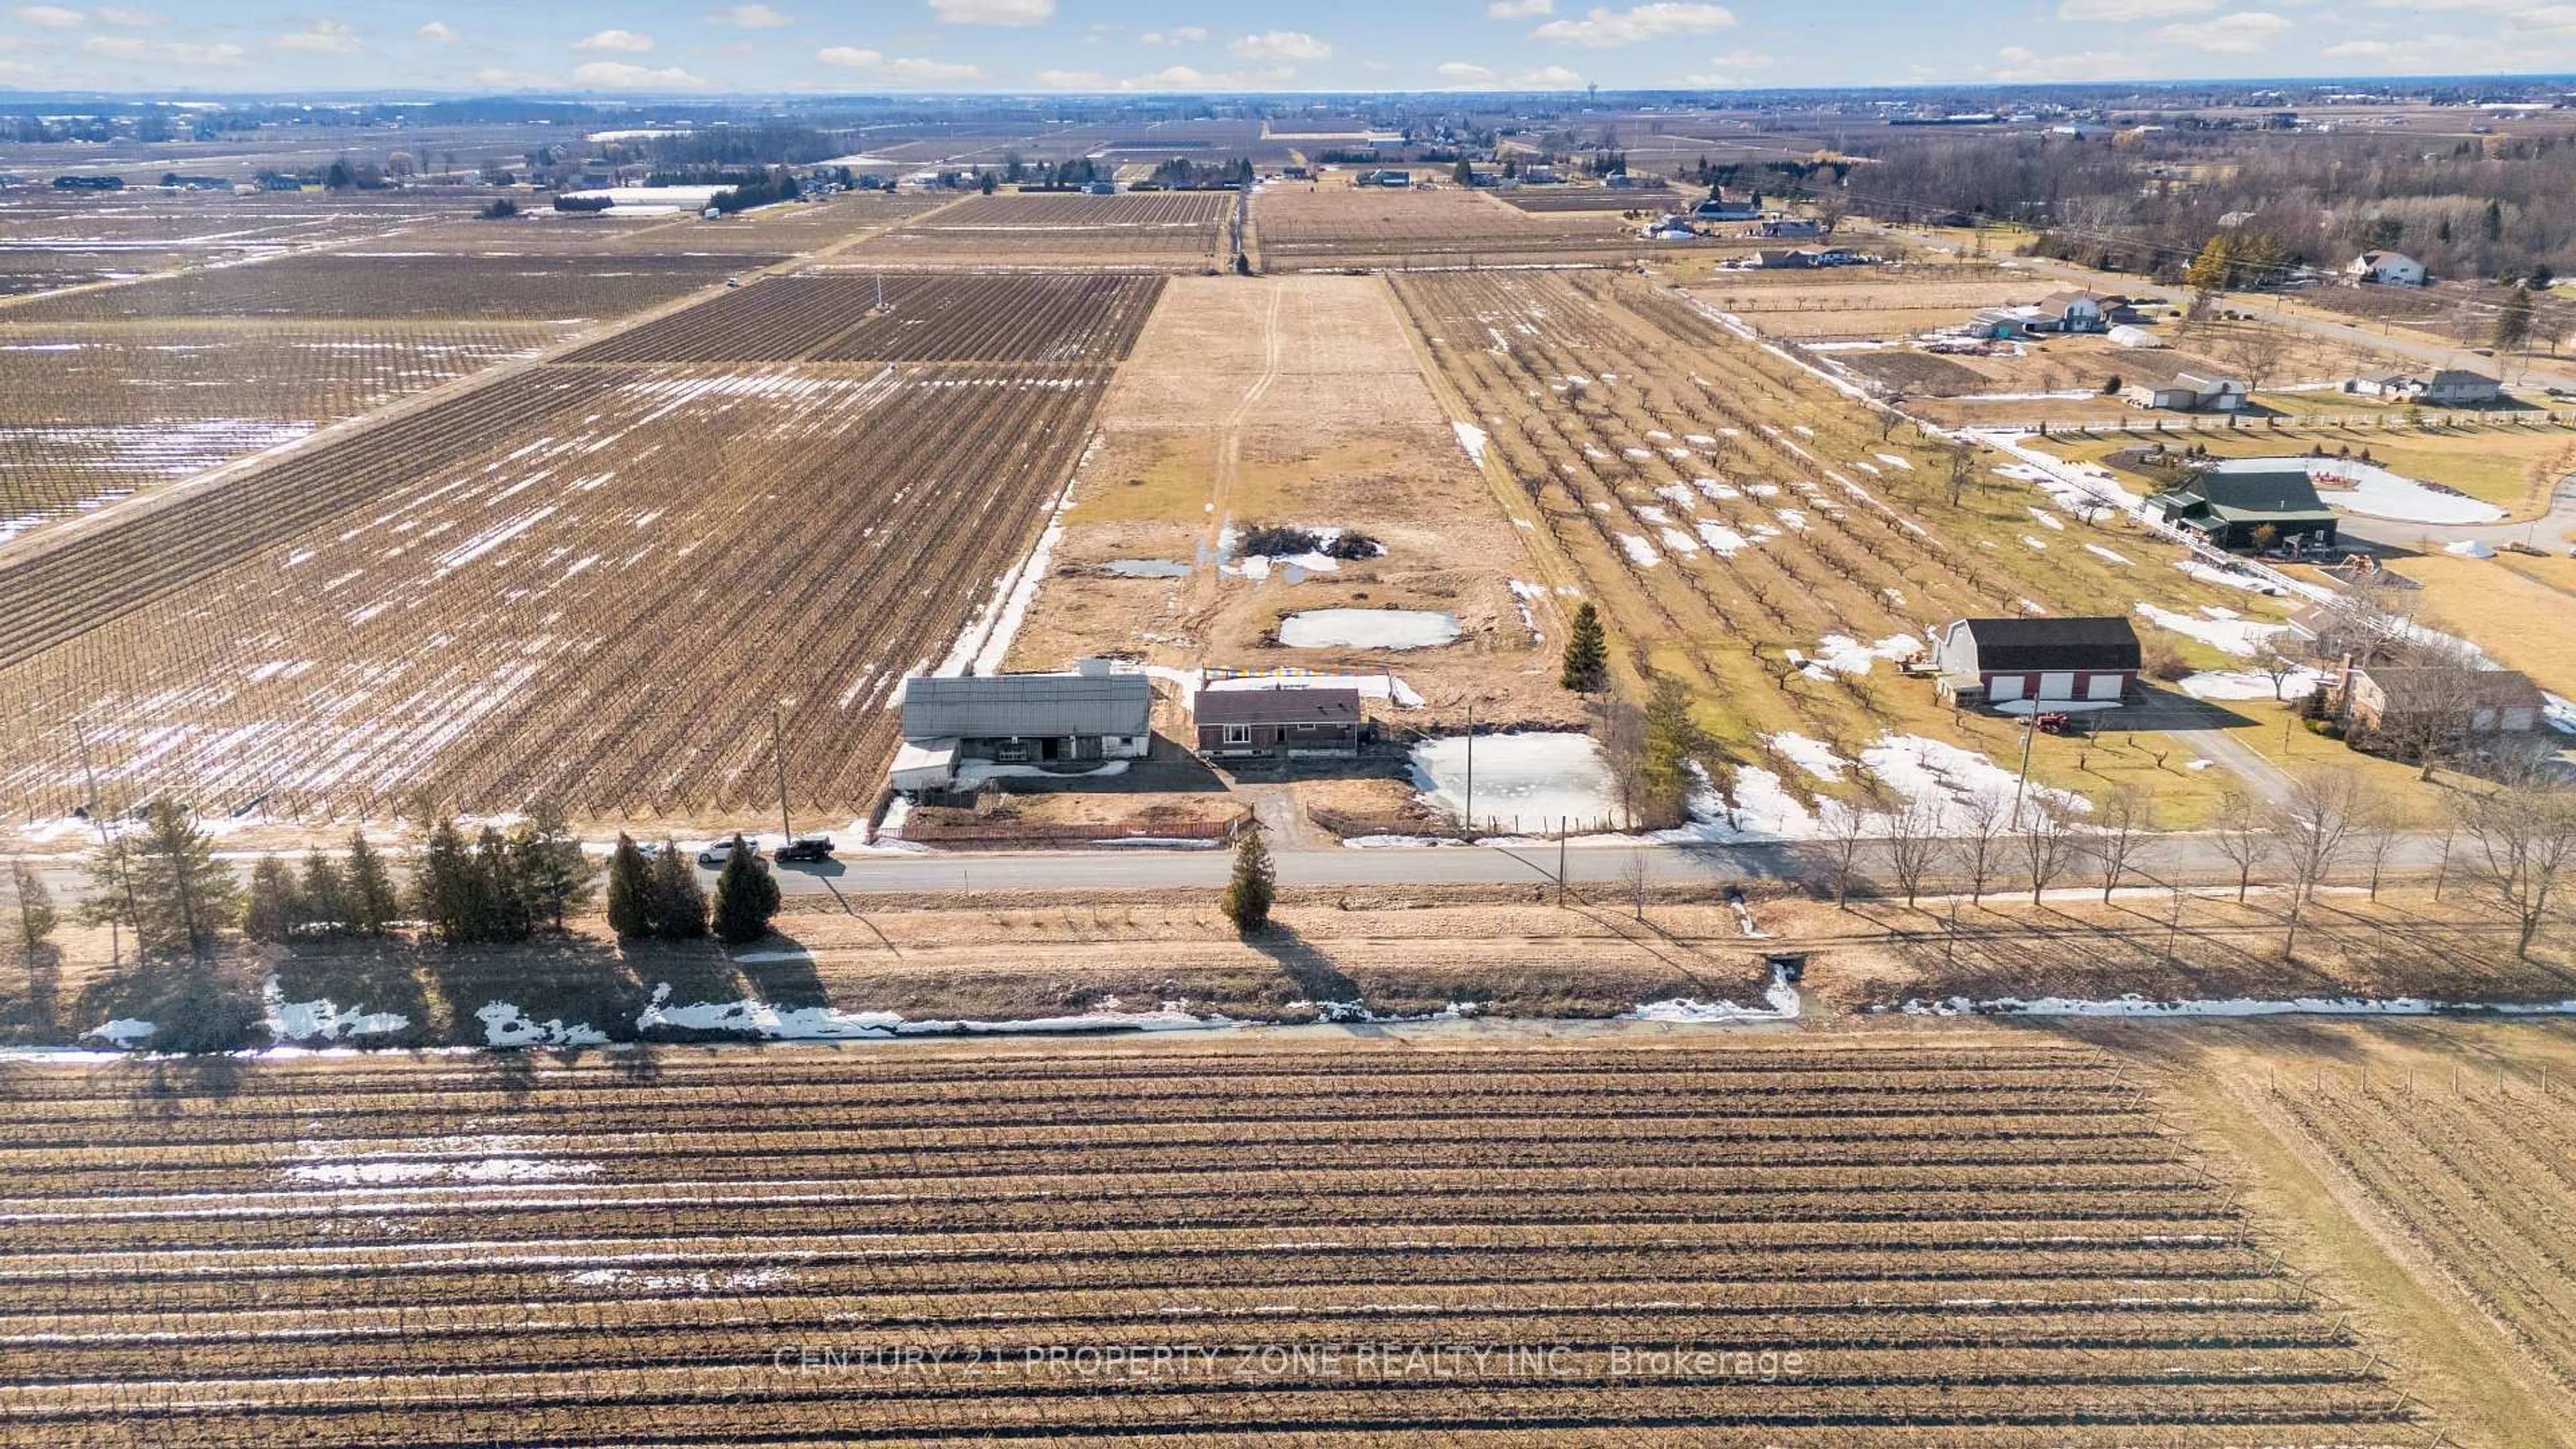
(2119,818)
(1845,827)
(2310,831)
(2522,847)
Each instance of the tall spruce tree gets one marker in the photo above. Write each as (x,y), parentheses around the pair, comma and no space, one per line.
(1587,653)
(36,915)
(498,903)
(554,873)
(746,897)
(269,912)
(324,896)
(371,899)
(1249,892)
(677,902)
(442,883)
(165,883)
(630,890)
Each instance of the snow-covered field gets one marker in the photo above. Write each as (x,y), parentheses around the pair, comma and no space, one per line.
(2219,628)
(1535,779)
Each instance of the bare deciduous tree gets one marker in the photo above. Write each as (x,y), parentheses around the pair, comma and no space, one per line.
(2045,845)
(2522,846)
(1914,846)
(1981,842)
(2241,838)
(1845,827)
(2118,819)
(2310,831)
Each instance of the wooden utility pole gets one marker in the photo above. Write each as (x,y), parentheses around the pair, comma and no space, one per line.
(1471,767)
(124,880)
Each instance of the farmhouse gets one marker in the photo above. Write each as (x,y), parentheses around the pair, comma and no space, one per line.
(1089,715)
(2071,312)
(2454,387)
(2385,269)
(1278,721)
(2053,661)
(2251,509)
(2407,699)
(1790,227)
(1720,209)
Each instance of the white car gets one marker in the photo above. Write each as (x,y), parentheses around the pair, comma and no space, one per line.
(714,856)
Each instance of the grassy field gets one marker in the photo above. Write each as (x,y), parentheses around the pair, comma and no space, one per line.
(2522,611)
(2511,466)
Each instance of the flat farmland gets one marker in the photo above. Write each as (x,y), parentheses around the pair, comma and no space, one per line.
(926,318)
(395,282)
(1142,231)
(1739,523)
(1942,1239)
(462,600)
(1317,227)
(93,412)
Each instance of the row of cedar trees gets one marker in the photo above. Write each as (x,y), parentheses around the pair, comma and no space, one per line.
(164,884)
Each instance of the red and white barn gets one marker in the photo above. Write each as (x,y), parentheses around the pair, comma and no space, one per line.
(2052,661)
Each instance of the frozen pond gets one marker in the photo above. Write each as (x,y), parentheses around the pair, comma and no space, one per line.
(1525,781)
(1146,568)
(1368,629)
(2357,487)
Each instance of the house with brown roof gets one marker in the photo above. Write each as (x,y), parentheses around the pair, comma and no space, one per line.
(1278,721)
(2417,700)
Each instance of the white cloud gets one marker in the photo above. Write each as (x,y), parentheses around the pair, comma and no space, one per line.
(2127,10)
(1472,77)
(2359,50)
(899,70)
(1075,80)
(1281,45)
(327,37)
(1520,9)
(916,70)
(618,75)
(1177,35)
(129,19)
(16,67)
(439,32)
(1547,78)
(626,41)
(51,17)
(2023,65)
(751,17)
(994,12)
(2242,33)
(162,52)
(1190,78)
(507,79)
(1604,27)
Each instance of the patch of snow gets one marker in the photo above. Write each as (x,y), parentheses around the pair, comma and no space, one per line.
(2228,576)
(2139,1006)
(1534,777)
(2241,637)
(1782,996)
(1471,438)
(1721,540)
(1893,461)
(1639,551)
(2100,552)
(125,1033)
(1842,654)
(971,773)
(1809,754)
(755,1018)
(2046,517)
(1368,629)
(320,1020)
(2247,684)
(2469,548)
(504,1026)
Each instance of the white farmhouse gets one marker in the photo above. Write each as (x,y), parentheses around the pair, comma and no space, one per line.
(2385,269)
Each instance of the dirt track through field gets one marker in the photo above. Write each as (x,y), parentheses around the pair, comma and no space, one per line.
(1229,452)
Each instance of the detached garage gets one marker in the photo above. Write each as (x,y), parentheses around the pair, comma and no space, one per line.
(2054,662)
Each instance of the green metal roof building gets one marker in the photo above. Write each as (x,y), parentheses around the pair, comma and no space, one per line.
(2229,509)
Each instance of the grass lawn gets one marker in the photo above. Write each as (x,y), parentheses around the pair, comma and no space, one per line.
(2522,611)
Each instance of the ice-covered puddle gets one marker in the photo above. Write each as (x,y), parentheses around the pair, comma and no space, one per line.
(2368,488)
(1368,629)
(1524,782)
(1145,568)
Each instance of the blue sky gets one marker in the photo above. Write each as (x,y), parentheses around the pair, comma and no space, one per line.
(671,46)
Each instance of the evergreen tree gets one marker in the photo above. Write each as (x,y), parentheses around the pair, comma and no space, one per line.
(497,900)
(1672,738)
(442,883)
(371,902)
(1248,894)
(1464,173)
(269,914)
(746,897)
(2513,319)
(164,882)
(2492,222)
(555,875)
(1587,653)
(677,903)
(630,890)
(2215,267)
(324,895)
(36,916)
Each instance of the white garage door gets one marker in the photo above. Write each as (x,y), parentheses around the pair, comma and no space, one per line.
(2006,686)
(2102,686)
(2057,686)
